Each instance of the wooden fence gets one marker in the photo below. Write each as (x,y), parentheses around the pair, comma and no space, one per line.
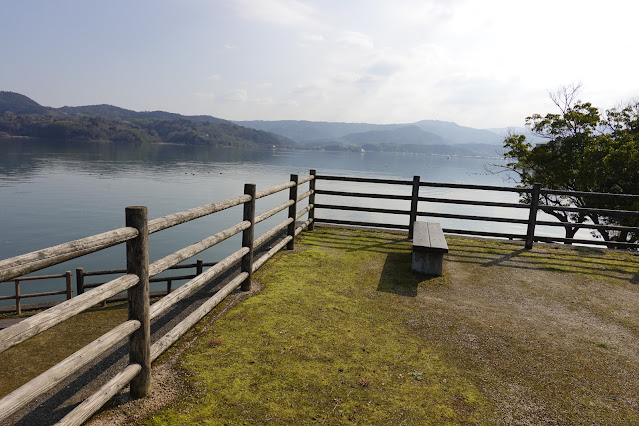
(19,295)
(81,284)
(419,207)
(137,374)
(139,270)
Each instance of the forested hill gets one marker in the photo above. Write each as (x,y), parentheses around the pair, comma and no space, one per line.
(21,116)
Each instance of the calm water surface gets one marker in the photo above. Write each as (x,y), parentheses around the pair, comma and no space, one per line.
(54,193)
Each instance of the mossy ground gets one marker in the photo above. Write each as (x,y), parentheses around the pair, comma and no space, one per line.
(326,341)
(344,332)
(34,356)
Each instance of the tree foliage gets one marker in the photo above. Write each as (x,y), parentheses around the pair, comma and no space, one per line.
(588,152)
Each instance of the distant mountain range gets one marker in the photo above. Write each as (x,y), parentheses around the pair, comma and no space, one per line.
(425,132)
(22,116)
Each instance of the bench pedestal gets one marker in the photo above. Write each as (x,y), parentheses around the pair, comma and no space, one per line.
(429,247)
(428,263)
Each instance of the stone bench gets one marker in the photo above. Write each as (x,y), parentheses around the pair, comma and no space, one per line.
(429,246)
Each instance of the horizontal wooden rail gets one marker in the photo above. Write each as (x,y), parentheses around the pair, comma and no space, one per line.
(36,277)
(590,194)
(174,219)
(471,217)
(151,280)
(195,284)
(304,195)
(38,323)
(36,260)
(56,374)
(593,242)
(303,211)
(27,295)
(271,233)
(361,209)
(474,202)
(183,326)
(273,211)
(364,180)
(363,195)
(272,252)
(589,226)
(89,406)
(586,210)
(360,223)
(475,187)
(273,190)
(181,255)
(302,227)
(122,271)
(484,233)
(15,267)
(308,178)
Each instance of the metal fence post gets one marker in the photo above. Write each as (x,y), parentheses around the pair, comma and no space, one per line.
(413,207)
(292,212)
(532,218)
(311,202)
(137,263)
(248,236)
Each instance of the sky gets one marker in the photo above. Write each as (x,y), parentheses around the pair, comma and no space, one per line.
(479,63)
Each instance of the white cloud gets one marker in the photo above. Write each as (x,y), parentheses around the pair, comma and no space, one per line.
(215,77)
(237,95)
(285,13)
(349,39)
(207,95)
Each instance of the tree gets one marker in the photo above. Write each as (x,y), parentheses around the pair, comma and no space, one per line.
(585,152)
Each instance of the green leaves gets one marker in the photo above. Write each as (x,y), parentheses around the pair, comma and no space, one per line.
(586,152)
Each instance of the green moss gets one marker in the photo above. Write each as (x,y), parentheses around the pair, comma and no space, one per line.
(327,340)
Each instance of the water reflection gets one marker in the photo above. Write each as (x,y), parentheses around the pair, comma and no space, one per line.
(56,192)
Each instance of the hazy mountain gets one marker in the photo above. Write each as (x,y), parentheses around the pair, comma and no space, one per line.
(306,132)
(110,111)
(402,135)
(457,134)
(21,116)
(504,131)
(20,104)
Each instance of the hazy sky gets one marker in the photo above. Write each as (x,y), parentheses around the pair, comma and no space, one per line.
(481,63)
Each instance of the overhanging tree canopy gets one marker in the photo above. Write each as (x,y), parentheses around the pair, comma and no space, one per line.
(586,152)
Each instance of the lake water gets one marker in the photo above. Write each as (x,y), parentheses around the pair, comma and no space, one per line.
(54,193)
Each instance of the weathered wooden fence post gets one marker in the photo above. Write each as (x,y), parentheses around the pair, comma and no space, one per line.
(67,276)
(137,263)
(311,201)
(413,207)
(292,212)
(79,281)
(248,236)
(199,266)
(532,218)
(18,305)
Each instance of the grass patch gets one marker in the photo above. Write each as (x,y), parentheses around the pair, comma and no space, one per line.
(344,332)
(327,341)
(34,356)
